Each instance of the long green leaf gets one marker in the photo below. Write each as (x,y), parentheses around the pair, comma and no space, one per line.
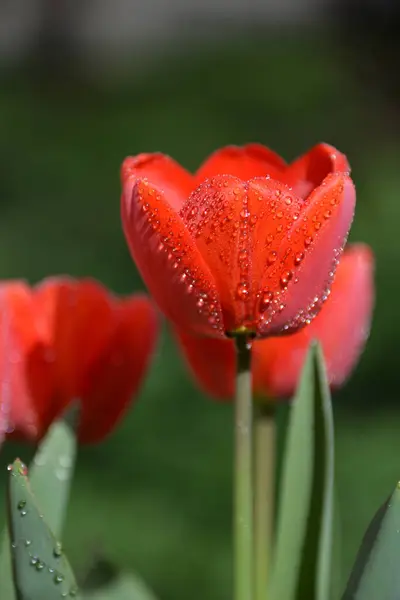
(50,477)
(40,568)
(51,473)
(376,573)
(302,559)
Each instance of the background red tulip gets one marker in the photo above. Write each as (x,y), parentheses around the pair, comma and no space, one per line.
(342,327)
(72,340)
(248,242)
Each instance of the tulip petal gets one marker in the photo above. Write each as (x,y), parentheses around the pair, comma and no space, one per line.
(341,327)
(116,376)
(163,172)
(309,170)
(69,314)
(252,160)
(212,362)
(307,257)
(235,223)
(18,336)
(169,261)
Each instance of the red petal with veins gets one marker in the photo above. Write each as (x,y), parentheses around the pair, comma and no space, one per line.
(17,338)
(212,363)
(342,328)
(252,160)
(236,226)
(170,262)
(308,172)
(307,258)
(163,172)
(75,321)
(115,377)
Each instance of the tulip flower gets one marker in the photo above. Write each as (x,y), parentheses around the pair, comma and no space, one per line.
(342,328)
(64,341)
(247,244)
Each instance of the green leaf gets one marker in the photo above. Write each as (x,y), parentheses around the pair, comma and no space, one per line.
(40,568)
(50,477)
(125,587)
(376,572)
(51,473)
(302,560)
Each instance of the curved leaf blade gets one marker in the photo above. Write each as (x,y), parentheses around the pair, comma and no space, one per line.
(302,560)
(376,572)
(40,568)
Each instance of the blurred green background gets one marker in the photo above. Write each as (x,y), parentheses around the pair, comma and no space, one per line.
(155,497)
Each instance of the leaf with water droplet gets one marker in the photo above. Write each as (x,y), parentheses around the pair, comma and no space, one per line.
(50,476)
(40,569)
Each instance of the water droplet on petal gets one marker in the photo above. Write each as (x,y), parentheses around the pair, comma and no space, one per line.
(242,291)
(271,258)
(298,258)
(265,300)
(307,241)
(285,278)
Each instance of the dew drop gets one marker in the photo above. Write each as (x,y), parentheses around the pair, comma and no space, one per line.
(317,226)
(265,300)
(39,565)
(58,578)
(57,551)
(23,513)
(307,241)
(271,258)
(285,278)
(288,200)
(298,258)
(28,543)
(269,239)
(21,504)
(242,291)
(9,467)
(279,214)
(244,213)
(327,214)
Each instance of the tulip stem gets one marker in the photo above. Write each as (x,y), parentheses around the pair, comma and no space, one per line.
(264,492)
(243,474)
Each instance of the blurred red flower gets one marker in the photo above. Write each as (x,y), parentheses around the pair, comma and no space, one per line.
(247,243)
(342,328)
(67,340)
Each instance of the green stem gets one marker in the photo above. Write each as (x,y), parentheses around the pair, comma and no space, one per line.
(243,486)
(264,491)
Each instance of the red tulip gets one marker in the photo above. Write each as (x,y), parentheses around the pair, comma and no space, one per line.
(67,340)
(342,328)
(248,243)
